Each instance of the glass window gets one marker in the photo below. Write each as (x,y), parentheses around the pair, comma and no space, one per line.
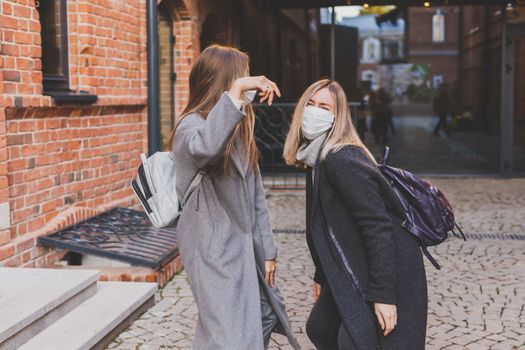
(53,23)
(371,50)
(438,27)
(393,50)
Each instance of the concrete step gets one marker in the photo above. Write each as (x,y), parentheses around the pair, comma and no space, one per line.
(95,322)
(33,299)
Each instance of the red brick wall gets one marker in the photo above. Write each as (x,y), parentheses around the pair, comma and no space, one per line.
(63,164)
(184,58)
(21,53)
(107,46)
(188,17)
(60,157)
(442,57)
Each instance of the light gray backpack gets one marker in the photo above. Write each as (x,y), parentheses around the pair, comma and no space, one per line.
(155,189)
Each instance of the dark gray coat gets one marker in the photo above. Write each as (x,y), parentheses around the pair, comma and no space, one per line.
(385,259)
(224,235)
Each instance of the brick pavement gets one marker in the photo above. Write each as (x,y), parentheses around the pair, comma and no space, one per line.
(476,302)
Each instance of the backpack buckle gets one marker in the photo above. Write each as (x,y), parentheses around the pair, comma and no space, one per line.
(404,224)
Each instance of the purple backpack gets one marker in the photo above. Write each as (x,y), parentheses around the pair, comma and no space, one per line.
(428,214)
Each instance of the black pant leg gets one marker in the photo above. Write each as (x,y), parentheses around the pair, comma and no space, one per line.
(438,126)
(392,126)
(445,126)
(442,123)
(324,322)
(269,317)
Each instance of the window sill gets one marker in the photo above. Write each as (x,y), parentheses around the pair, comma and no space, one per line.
(67,96)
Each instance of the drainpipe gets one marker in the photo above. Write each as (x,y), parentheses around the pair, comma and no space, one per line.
(507,98)
(486,71)
(153,76)
(332,45)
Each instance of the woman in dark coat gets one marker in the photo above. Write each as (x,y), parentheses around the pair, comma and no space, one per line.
(369,284)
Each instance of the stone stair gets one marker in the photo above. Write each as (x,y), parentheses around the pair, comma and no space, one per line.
(48,309)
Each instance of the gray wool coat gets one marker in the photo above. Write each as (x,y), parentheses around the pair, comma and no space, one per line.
(224,235)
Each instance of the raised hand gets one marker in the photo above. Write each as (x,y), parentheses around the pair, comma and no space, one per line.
(267,89)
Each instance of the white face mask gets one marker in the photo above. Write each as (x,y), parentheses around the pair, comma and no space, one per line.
(249,95)
(316,121)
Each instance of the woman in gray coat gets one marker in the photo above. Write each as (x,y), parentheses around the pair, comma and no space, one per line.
(224,235)
(369,284)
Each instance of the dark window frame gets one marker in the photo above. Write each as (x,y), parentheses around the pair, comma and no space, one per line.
(56,82)
(57,85)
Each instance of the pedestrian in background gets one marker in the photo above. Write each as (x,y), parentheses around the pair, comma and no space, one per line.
(224,235)
(369,283)
(381,115)
(361,113)
(441,106)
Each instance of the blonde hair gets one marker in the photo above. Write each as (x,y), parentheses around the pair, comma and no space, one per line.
(212,74)
(343,131)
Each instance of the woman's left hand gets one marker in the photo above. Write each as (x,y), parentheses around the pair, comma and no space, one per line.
(269,272)
(387,317)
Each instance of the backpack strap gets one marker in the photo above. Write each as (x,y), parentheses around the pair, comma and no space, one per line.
(385,156)
(430,257)
(404,223)
(461,232)
(193,185)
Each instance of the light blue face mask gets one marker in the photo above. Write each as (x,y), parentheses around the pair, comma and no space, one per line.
(249,95)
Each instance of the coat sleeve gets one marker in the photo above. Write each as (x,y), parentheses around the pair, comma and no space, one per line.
(263,219)
(353,174)
(206,139)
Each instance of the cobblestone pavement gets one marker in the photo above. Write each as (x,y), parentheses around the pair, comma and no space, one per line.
(477,300)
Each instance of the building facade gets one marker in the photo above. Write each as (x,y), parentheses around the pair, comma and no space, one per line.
(73,99)
(433,38)
(73,112)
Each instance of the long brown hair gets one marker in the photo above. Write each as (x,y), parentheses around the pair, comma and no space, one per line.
(342,133)
(212,74)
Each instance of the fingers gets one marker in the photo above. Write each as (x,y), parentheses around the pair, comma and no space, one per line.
(264,96)
(267,95)
(389,325)
(276,89)
(267,277)
(268,89)
(316,291)
(270,99)
(269,274)
(387,321)
(381,320)
(392,321)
